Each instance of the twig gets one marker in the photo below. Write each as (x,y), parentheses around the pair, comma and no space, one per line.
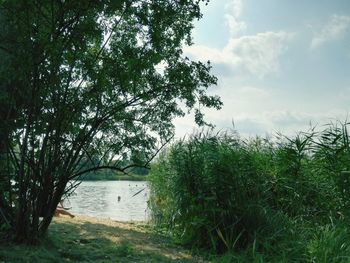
(139,192)
(3,215)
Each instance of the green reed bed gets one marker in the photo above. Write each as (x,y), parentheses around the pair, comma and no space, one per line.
(279,199)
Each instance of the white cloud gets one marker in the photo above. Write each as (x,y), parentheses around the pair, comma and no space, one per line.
(256,123)
(335,29)
(233,11)
(253,92)
(206,53)
(260,110)
(258,54)
(245,66)
(235,25)
(285,121)
(344,94)
(234,7)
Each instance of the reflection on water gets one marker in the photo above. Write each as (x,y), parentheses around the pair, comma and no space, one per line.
(100,199)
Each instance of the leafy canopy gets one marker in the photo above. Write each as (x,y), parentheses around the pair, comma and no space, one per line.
(86,78)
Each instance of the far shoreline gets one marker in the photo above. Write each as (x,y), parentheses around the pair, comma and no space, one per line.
(141,178)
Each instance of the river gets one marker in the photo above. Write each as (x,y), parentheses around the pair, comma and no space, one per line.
(100,199)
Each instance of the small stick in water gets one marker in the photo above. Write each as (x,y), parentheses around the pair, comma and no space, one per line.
(139,192)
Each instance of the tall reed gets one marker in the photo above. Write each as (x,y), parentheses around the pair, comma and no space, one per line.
(224,193)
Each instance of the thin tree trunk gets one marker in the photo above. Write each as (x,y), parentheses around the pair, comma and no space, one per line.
(56,198)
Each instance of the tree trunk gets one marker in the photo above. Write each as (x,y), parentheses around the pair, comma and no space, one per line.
(29,229)
(50,211)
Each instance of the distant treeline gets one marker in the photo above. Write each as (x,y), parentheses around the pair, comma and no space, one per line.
(135,174)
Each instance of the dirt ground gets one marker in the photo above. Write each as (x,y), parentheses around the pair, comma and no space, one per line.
(134,241)
(89,239)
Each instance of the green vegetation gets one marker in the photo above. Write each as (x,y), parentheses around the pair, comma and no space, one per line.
(132,174)
(99,176)
(259,200)
(85,239)
(81,80)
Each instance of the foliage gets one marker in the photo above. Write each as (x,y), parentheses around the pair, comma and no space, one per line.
(211,189)
(224,193)
(88,78)
(131,173)
(327,243)
(330,244)
(104,176)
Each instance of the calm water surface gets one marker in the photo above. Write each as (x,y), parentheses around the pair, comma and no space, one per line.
(100,199)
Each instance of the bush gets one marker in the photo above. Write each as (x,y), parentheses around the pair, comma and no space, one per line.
(330,244)
(209,192)
(224,193)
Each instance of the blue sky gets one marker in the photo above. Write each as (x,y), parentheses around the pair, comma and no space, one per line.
(281,64)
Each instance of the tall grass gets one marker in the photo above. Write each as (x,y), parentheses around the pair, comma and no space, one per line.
(224,193)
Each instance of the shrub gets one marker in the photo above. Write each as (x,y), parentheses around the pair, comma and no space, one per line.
(221,192)
(209,192)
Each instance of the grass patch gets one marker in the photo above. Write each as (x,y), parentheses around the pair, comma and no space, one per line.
(86,239)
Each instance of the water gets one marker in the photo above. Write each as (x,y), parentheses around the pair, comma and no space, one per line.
(100,199)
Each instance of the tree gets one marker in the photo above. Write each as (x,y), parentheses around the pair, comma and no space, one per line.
(88,78)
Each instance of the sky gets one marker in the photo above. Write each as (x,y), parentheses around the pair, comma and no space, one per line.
(282,65)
